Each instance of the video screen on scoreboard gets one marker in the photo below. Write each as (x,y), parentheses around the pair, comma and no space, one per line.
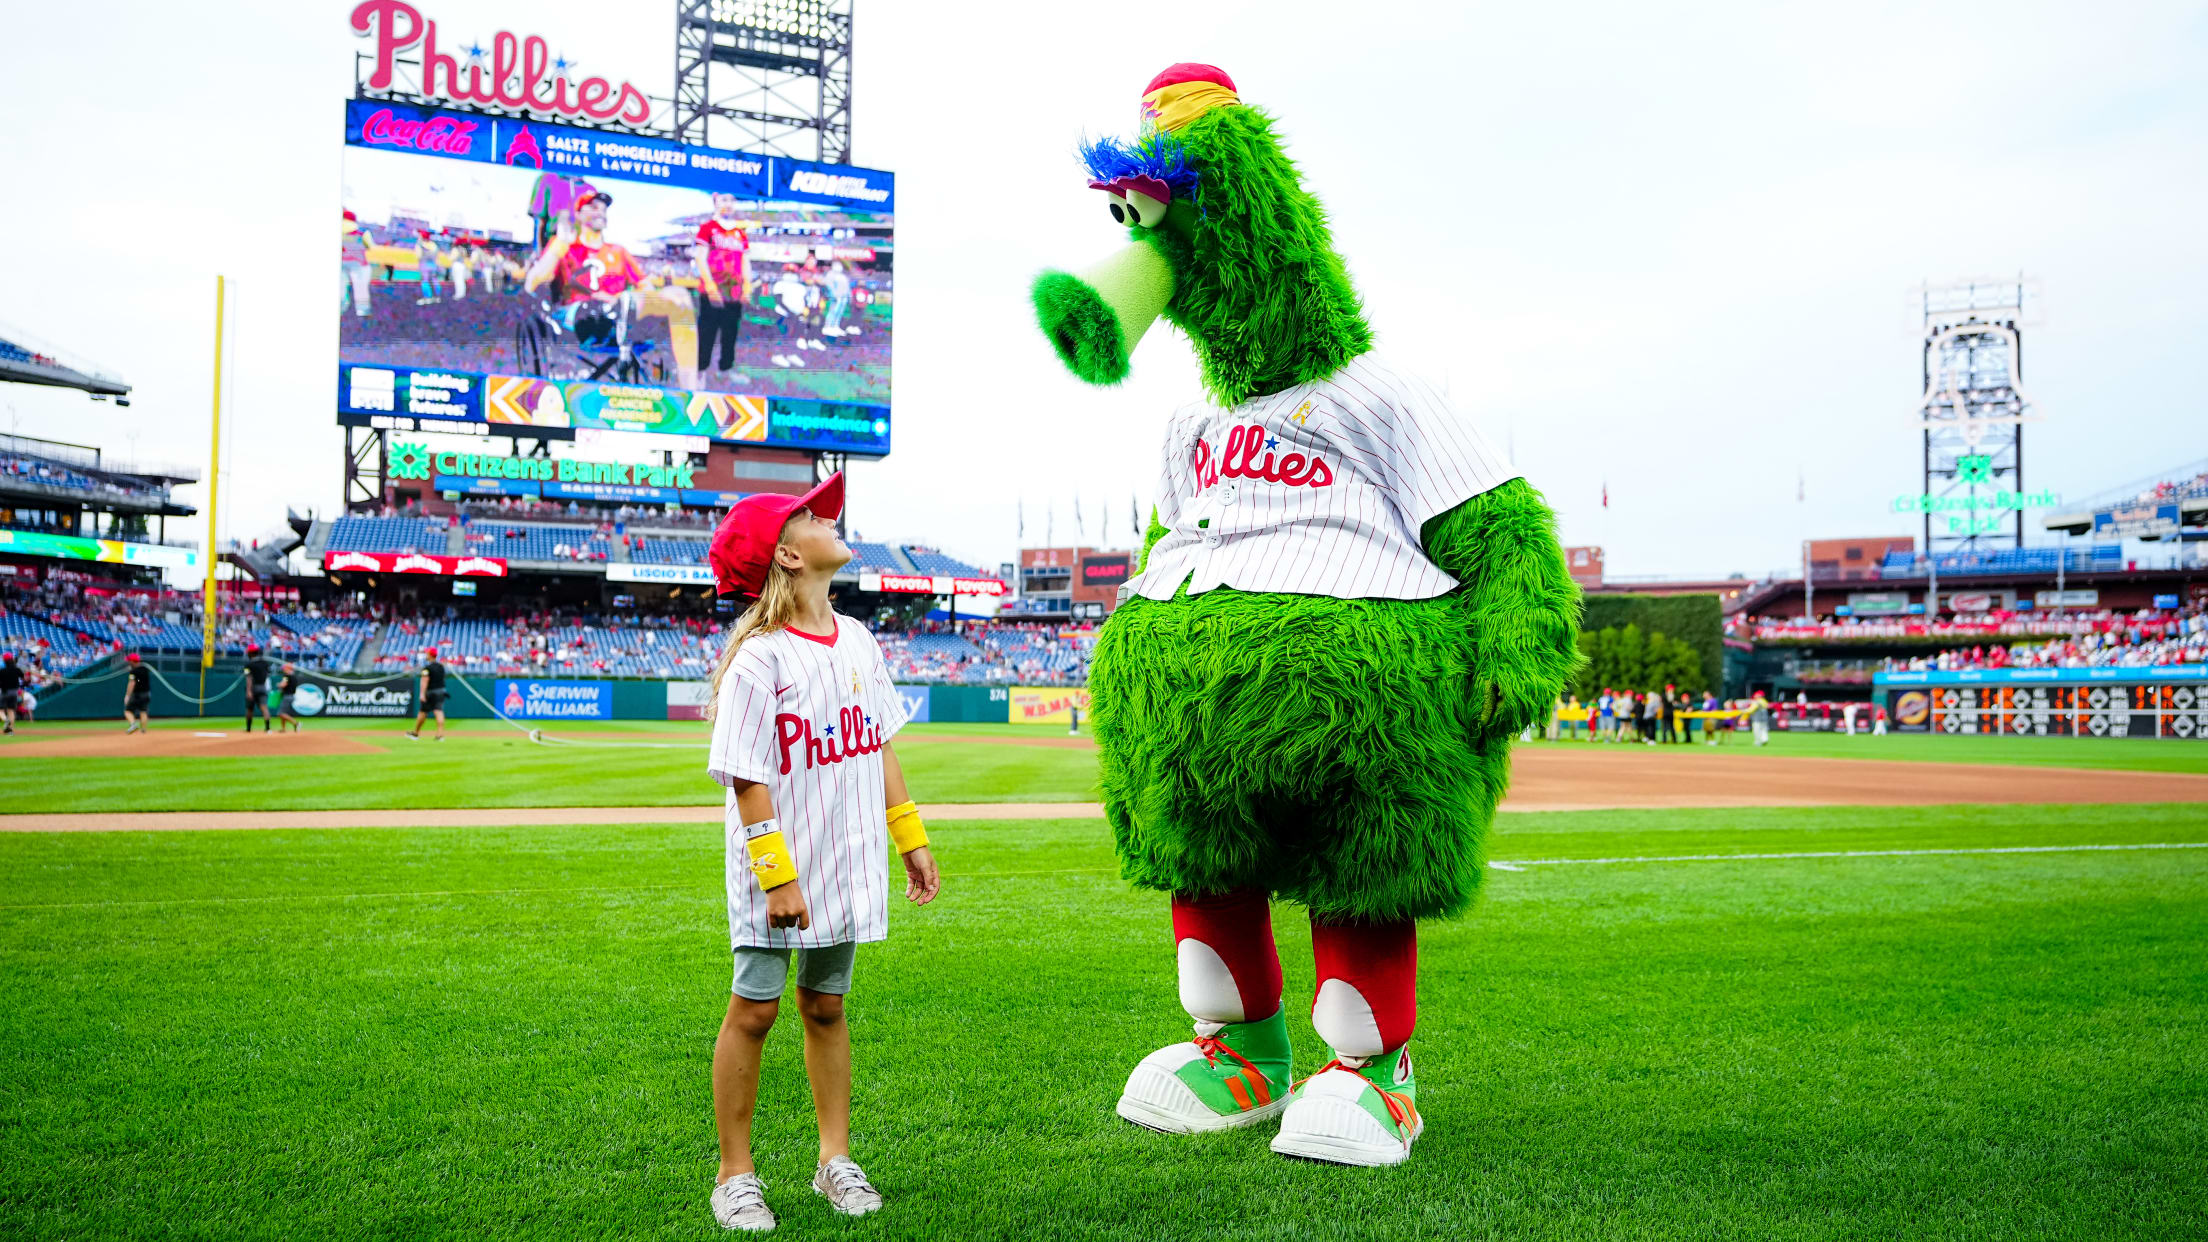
(510,277)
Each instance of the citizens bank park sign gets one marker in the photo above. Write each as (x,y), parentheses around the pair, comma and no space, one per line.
(414,563)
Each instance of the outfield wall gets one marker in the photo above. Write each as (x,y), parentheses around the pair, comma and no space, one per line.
(2161,702)
(538,701)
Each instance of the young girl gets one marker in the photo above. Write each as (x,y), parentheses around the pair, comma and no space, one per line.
(803,710)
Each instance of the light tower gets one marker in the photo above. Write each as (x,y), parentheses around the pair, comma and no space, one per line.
(785,85)
(1973,412)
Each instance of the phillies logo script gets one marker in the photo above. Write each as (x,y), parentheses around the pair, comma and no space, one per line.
(516,78)
(853,734)
(1239,461)
(448,134)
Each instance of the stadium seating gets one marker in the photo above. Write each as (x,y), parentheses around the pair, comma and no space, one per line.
(654,551)
(875,558)
(520,541)
(930,561)
(387,534)
(58,649)
(2101,557)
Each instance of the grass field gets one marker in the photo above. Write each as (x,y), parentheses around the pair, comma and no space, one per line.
(646,763)
(505,1033)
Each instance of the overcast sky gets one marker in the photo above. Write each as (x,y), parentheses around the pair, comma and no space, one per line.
(1669,247)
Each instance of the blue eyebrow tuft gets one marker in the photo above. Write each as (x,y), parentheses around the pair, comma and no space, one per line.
(1152,155)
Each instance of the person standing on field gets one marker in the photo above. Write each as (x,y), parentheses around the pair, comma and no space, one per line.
(430,692)
(287,715)
(256,688)
(1759,718)
(11,690)
(803,712)
(137,695)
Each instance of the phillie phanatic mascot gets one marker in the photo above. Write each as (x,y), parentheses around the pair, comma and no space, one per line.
(1347,605)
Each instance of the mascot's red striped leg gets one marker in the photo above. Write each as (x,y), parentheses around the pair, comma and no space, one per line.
(1361,1107)
(1237,1071)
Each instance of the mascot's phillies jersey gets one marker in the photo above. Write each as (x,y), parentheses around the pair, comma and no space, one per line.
(807,717)
(1317,490)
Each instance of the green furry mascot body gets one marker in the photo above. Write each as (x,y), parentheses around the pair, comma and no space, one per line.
(1336,734)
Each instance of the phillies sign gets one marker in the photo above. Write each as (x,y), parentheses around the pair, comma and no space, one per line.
(415,563)
(514,77)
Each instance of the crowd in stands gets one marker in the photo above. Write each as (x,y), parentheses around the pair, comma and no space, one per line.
(69,621)
(2145,640)
(17,467)
(2066,638)
(621,516)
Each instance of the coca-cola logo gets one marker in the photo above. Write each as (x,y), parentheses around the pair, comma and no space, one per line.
(450,135)
(515,76)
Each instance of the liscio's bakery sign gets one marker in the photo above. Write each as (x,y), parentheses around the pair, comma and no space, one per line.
(513,72)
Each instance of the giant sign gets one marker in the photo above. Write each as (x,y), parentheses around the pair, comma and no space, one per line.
(414,563)
(105,551)
(513,276)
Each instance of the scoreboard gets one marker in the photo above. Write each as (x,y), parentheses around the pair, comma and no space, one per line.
(2129,709)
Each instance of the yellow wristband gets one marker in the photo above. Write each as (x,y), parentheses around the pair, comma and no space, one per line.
(770,860)
(905,828)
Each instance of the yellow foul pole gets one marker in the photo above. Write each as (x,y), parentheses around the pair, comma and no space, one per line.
(214,482)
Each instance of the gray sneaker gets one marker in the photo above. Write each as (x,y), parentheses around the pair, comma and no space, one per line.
(843,1183)
(741,1203)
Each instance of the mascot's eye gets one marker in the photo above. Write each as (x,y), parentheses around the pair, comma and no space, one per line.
(1121,212)
(1147,211)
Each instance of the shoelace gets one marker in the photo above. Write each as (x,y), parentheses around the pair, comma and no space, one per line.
(847,1175)
(1211,1046)
(1400,1109)
(745,1192)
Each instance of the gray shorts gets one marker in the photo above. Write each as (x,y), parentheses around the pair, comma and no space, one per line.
(761,974)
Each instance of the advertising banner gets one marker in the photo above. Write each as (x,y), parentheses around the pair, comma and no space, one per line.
(930,584)
(1106,571)
(1878,603)
(686,700)
(319,696)
(104,551)
(2087,598)
(530,699)
(1047,704)
(672,575)
(1911,710)
(414,563)
(916,703)
(2136,522)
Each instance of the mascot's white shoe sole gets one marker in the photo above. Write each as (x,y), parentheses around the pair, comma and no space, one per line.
(1156,1098)
(1327,1122)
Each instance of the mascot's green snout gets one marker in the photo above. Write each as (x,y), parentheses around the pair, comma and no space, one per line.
(1347,604)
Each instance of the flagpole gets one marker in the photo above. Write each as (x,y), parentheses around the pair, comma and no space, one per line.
(214,484)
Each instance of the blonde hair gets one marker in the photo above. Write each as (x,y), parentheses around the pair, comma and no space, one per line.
(775,608)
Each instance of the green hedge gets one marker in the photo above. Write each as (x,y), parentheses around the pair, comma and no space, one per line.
(1696,620)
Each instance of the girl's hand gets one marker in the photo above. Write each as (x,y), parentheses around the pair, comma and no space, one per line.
(786,908)
(922,880)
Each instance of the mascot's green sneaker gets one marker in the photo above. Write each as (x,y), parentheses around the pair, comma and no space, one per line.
(1346,1115)
(1227,1077)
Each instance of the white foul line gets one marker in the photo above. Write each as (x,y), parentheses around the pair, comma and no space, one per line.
(1520,864)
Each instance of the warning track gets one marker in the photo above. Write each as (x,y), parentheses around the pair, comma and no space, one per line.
(1546,778)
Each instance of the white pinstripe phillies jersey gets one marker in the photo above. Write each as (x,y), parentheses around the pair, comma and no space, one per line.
(807,717)
(1317,490)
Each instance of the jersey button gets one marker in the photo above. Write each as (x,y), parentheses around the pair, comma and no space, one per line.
(1228,492)
(1211,541)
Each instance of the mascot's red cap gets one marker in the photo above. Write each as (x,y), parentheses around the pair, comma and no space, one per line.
(1184,92)
(744,545)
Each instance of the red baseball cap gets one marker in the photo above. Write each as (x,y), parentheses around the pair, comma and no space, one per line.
(743,546)
(132,657)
